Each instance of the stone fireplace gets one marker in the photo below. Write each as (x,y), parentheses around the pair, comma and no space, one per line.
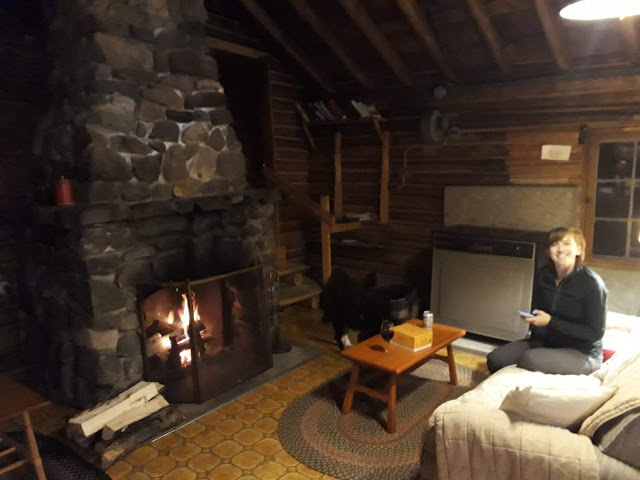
(139,122)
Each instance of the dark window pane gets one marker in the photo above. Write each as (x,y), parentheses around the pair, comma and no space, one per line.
(609,238)
(612,200)
(636,201)
(615,160)
(634,251)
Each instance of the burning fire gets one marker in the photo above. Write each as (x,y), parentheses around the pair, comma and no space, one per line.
(183,314)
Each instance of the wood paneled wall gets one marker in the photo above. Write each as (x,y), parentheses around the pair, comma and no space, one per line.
(401,250)
(292,159)
(22,62)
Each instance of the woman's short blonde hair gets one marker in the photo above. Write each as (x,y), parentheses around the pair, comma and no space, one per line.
(559,233)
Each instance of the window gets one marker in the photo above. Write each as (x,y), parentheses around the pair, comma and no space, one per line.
(615,225)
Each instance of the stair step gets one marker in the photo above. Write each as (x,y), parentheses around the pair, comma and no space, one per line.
(290,294)
(289,268)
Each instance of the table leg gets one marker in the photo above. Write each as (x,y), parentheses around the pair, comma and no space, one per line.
(33,447)
(391,405)
(453,374)
(348,398)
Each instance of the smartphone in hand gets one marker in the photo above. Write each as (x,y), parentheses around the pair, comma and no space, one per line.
(525,314)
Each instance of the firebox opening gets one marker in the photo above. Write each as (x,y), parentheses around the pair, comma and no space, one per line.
(201,338)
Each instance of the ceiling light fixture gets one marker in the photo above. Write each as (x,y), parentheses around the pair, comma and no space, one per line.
(600,9)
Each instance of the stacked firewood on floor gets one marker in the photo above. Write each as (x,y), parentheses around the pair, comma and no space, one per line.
(115,427)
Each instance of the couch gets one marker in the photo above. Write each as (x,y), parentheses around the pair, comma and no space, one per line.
(482,435)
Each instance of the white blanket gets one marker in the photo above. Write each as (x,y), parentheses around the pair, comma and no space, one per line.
(475,440)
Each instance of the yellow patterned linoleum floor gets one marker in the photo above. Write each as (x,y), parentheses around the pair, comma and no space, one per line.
(239,440)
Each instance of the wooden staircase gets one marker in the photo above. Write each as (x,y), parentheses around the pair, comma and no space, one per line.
(295,287)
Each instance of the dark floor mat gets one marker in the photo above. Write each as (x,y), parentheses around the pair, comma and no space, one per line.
(60,462)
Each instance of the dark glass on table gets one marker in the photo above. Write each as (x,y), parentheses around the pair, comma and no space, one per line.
(386,332)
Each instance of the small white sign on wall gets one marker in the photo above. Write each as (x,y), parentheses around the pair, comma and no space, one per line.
(556,152)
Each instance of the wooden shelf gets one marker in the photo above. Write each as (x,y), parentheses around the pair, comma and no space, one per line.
(351,243)
(348,121)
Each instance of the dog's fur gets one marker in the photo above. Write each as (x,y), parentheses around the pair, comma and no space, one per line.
(348,305)
(343,302)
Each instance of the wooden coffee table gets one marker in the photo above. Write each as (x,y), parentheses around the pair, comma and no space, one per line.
(397,361)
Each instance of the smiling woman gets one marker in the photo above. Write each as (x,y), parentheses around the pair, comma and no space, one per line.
(569,304)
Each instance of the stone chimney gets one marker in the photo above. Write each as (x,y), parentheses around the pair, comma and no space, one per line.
(139,123)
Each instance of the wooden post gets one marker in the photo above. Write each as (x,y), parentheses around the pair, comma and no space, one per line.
(384,178)
(325,235)
(337,175)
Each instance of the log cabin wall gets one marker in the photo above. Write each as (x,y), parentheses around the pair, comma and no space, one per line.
(23,63)
(391,54)
(230,30)
(401,250)
(291,159)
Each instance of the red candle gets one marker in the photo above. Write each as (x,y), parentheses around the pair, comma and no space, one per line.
(64,192)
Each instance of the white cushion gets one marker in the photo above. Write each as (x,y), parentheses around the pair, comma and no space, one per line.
(492,391)
(559,406)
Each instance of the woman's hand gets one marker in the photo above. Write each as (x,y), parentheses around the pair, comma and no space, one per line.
(541,318)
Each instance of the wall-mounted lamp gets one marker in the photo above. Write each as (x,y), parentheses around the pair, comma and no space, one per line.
(600,9)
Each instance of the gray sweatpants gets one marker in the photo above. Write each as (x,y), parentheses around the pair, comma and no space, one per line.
(566,361)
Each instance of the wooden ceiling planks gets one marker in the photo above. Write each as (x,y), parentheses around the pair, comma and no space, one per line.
(629,30)
(322,30)
(278,35)
(362,19)
(425,32)
(490,35)
(553,33)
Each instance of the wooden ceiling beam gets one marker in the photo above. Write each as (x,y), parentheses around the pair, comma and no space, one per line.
(304,10)
(628,28)
(489,33)
(361,18)
(425,32)
(261,17)
(552,33)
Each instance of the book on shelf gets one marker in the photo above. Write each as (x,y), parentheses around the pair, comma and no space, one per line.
(326,113)
(359,108)
(315,112)
(364,110)
(337,111)
(358,216)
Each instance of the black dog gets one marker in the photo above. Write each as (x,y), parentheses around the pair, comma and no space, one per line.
(348,305)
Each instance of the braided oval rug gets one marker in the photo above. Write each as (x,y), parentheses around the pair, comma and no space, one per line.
(357,446)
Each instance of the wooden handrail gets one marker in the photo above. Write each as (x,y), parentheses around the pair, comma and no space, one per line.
(299,198)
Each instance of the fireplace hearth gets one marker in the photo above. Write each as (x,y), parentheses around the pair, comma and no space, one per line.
(203,337)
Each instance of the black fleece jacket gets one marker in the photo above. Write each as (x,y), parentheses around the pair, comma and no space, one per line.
(577,306)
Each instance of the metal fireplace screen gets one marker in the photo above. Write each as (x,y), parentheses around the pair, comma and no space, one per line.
(203,337)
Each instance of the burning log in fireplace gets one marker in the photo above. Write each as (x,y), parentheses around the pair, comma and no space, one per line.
(202,337)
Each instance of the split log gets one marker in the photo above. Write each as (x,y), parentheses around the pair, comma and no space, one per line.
(294,279)
(133,415)
(313,302)
(156,346)
(140,432)
(90,421)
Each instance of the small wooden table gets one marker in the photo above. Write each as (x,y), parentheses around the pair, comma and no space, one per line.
(370,353)
(16,399)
